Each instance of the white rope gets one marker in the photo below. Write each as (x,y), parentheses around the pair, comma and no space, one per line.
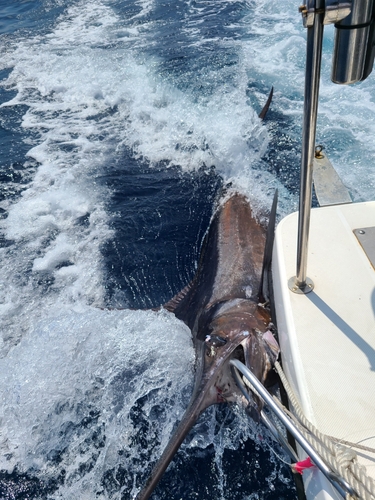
(341,458)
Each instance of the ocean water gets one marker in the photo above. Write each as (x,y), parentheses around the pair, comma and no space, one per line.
(121,124)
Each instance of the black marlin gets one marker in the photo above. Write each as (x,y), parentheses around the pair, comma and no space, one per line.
(221,307)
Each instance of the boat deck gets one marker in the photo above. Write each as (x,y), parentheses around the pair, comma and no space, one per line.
(327,336)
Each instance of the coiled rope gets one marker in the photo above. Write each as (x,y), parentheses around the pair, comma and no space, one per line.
(338,454)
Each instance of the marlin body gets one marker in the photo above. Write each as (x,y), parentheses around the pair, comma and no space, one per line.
(221,307)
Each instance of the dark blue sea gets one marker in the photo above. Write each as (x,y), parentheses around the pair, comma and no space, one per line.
(122,123)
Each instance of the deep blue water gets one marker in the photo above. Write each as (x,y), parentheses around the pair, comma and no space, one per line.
(122,123)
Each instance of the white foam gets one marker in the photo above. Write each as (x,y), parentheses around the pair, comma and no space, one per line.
(71,364)
(56,77)
(68,77)
(90,91)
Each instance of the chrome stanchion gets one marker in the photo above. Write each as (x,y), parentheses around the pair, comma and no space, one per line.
(315,14)
(314,23)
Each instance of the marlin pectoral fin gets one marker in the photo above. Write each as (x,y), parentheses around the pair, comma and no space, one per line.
(260,353)
(272,345)
(263,113)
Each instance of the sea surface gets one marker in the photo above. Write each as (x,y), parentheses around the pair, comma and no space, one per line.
(122,123)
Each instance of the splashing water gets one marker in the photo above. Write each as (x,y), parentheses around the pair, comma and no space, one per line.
(120,122)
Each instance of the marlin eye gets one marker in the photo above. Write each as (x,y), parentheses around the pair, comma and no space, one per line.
(216,341)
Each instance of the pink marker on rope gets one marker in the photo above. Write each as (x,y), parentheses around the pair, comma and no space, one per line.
(299,467)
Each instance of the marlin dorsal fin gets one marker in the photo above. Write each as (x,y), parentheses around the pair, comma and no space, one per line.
(263,113)
(175,301)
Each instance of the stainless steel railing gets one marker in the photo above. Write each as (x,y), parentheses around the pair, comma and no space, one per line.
(337,481)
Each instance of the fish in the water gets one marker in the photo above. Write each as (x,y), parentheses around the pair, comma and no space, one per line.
(221,307)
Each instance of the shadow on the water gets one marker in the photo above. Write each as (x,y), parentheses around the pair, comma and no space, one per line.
(159,215)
